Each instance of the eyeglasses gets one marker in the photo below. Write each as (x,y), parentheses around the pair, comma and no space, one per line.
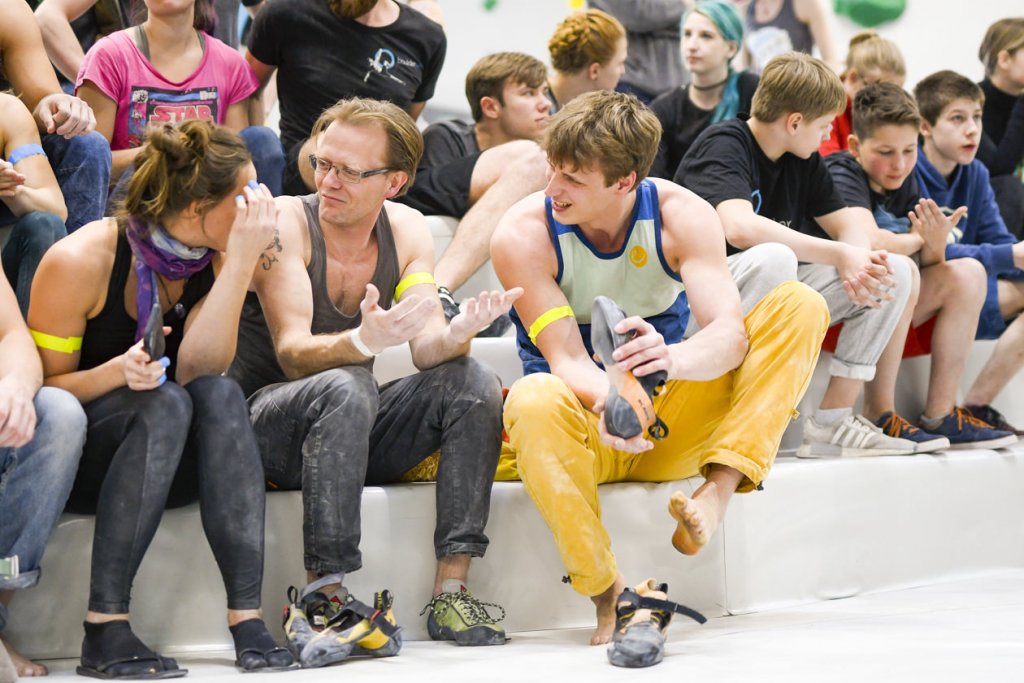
(344,173)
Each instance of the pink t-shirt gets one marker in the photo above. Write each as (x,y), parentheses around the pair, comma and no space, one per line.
(144,96)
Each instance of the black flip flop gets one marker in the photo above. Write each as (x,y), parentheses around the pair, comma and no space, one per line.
(112,651)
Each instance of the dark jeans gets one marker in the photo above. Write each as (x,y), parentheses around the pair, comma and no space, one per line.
(31,236)
(333,432)
(82,167)
(145,450)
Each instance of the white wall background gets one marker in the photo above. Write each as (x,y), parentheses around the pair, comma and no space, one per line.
(933,35)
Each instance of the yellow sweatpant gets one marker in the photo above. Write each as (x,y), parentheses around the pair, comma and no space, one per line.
(736,420)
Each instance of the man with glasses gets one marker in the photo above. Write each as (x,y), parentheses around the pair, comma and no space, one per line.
(350,275)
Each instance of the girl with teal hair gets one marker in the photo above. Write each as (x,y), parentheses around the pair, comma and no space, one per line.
(712,36)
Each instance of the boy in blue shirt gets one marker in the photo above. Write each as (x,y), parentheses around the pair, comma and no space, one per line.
(876,176)
(948,172)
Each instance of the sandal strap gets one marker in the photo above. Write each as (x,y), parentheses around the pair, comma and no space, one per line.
(670,607)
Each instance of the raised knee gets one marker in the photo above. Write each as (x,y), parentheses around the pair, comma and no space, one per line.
(352,389)
(967,275)
(532,397)
(41,230)
(803,303)
(474,379)
(169,404)
(215,390)
(58,410)
(775,258)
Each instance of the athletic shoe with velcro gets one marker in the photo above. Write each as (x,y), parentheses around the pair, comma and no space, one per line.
(642,617)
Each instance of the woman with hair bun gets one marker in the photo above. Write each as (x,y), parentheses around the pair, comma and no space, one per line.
(712,35)
(588,52)
(165,428)
(870,59)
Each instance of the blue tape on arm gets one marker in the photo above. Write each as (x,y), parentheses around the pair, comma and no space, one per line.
(20,153)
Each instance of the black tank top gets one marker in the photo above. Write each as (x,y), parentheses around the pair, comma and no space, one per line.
(112,332)
(255,365)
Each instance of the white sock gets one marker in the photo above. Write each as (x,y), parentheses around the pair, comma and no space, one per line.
(453,586)
(830,416)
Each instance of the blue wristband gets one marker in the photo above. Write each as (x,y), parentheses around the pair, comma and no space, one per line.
(20,153)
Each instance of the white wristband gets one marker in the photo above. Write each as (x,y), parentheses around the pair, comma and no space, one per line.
(360,345)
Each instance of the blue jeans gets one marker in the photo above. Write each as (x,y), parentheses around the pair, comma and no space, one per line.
(35,481)
(267,156)
(32,235)
(82,167)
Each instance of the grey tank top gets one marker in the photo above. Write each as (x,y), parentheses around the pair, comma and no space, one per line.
(782,34)
(255,365)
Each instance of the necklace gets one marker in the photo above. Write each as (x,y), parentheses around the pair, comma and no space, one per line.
(709,87)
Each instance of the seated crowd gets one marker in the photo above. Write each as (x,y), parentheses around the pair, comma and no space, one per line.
(193,304)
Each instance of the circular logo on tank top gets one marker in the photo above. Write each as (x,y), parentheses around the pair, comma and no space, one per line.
(638,256)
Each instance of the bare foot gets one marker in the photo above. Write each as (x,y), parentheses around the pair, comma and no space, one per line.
(697,519)
(605,603)
(25,667)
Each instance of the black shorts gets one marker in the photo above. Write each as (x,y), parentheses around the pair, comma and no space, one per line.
(442,190)
(292,182)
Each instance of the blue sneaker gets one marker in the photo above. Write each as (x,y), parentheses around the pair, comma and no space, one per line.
(897,427)
(966,431)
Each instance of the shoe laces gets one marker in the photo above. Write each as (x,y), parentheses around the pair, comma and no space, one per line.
(963,416)
(471,611)
(895,425)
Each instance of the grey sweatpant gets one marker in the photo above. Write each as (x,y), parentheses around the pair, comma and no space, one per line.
(866,330)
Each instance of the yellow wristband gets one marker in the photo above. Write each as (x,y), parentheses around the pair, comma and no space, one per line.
(546,318)
(411,281)
(60,344)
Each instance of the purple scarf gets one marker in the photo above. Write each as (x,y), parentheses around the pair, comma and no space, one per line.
(156,252)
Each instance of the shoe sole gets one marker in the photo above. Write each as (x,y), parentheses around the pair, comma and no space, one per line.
(1002,442)
(628,408)
(807,452)
(443,633)
(932,445)
(155,676)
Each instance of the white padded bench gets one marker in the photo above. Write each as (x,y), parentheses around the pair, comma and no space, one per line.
(820,530)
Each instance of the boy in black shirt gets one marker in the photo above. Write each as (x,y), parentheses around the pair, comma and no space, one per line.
(766,171)
(876,175)
(476,171)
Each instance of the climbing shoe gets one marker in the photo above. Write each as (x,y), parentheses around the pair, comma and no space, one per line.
(629,409)
(642,617)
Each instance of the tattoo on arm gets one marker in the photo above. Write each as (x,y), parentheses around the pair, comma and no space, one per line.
(269,256)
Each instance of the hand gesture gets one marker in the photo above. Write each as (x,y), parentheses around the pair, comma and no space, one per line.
(65,115)
(142,373)
(10,179)
(382,328)
(928,220)
(644,354)
(478,313)
(253,229)
(17,414)
(866,276)
(634,444)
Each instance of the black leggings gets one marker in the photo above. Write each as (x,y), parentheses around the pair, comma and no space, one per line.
(147,450)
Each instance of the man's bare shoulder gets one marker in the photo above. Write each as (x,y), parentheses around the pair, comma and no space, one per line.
(681,202)
(524,225)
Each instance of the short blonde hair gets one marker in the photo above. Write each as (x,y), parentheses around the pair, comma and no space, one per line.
(604,130)
(585,38)
(870,52)
(405,143)
(795,82)
(1005,34)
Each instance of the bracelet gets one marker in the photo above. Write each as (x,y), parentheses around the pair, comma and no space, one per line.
(360,345)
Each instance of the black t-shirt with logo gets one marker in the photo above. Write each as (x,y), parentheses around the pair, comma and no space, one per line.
(321,59)
(890,209)
(725,162)
(448,141)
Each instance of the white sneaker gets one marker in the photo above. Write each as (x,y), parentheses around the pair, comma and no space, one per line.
(853,436)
